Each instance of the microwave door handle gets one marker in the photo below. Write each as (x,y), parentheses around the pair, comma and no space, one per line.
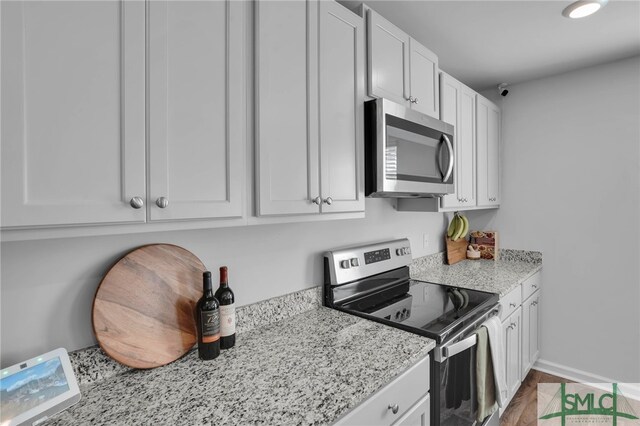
(451,158)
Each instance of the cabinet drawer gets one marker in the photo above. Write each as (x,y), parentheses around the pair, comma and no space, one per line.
(418,415)
(531,284)
(510,302)
(405,391)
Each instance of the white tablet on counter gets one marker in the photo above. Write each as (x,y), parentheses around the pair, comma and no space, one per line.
(35,389)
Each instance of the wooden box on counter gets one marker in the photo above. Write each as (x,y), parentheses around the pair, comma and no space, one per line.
(456,250)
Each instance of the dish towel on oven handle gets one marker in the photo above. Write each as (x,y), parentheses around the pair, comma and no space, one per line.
(496,344)
(486,394)
(491,384)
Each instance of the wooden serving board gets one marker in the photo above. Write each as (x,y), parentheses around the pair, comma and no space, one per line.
(456,250)
(144,308)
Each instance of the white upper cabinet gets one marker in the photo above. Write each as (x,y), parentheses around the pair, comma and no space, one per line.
(309,108)
(458,107)
(488,142)
(196,109)
(388,48)
(105,124)
(287,153)
(73,113)
(342,76)
(401,69)
(425,89)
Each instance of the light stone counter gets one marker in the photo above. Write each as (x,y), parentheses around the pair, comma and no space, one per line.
(494,276)
(288,368)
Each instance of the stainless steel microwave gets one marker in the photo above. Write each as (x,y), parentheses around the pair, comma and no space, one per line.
(407,153)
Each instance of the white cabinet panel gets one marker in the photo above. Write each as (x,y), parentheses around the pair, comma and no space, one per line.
(341,96)
(458,107)
(467,146)
(513,351)
(424,79)
(488,140)
(286,117)
(530,333)
(309,118)
(196,109)
(72,112)
(388,50)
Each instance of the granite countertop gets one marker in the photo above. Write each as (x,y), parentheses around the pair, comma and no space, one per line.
(494,276)
(308,368)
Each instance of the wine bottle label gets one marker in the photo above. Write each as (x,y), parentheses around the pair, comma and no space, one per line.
(210,326)
(227,319)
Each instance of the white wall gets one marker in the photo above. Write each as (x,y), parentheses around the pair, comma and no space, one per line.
(48,286)
(571,185)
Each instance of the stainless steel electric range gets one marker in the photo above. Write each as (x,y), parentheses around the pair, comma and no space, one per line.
(373,282)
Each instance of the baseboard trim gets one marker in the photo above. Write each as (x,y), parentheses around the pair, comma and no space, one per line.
(631,390)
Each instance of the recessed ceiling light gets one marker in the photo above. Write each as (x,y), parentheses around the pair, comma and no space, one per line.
(582,8)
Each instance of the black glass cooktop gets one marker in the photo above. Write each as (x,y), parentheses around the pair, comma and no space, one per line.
(432,310)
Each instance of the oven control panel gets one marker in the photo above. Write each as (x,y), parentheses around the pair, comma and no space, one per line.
(350,264)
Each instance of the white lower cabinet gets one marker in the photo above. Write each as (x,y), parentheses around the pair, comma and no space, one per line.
(511,329)
(405,401)
(519,313)
(530,333)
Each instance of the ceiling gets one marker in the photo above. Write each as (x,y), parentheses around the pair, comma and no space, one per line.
(484,43)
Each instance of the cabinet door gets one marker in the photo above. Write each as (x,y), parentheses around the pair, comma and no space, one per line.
(423,74)
(341,65)
(73,135)
(530,333)
(458,107)
(449,111)
(466,160)
(286,107)
(513,347)
(488,140)
(388,50)
(196,109)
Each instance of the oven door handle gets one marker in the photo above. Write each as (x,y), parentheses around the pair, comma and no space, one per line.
(451,158)
(455,348)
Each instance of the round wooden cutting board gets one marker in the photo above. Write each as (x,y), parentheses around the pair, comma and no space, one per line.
(143,311)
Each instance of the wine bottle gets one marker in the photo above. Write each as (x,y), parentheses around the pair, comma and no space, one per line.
(208,319)
(227,311)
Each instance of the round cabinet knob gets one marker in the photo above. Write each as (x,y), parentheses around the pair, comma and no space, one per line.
(317,200)
(162,202)
(328,201)
(415,100)
(136,202)
(394,408)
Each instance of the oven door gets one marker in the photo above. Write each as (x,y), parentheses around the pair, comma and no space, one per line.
(453,378)
(454,383)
